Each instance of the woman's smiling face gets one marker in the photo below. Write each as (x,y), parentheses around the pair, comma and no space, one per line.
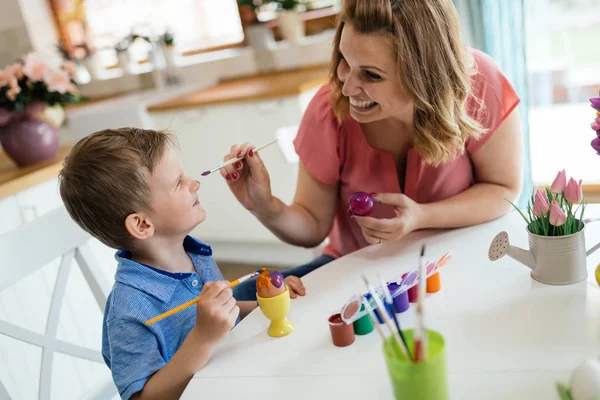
(369,76)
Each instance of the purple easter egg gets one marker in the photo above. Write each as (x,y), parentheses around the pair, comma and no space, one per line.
(361,203)
(595,103)
(276,279)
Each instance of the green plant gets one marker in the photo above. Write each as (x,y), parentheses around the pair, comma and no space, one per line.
(552,211)
(122,45)
(167,38)
(288,4)
(253,4)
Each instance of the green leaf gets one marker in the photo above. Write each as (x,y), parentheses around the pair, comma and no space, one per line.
(517,208)
(563,391)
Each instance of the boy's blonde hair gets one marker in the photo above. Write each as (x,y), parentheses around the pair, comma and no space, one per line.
(105,178)
(432,67)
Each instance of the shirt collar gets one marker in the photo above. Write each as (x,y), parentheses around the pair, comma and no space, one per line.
(153,283)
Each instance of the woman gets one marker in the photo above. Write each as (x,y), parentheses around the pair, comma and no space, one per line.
(409,114)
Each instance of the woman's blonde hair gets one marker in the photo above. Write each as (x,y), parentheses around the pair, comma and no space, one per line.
(432,67)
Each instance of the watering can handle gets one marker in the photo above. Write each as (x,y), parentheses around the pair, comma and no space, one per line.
(597,246)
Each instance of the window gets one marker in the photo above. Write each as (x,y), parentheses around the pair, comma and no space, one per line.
(196,24)
(564,72)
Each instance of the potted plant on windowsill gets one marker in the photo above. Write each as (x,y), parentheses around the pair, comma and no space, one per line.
(258,35)
(290,24)
(167,42)
(32,100)
(122,50)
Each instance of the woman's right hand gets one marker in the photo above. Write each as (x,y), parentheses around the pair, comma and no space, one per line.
(248,179)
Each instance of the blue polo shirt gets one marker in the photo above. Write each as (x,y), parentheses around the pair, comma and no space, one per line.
(132,350)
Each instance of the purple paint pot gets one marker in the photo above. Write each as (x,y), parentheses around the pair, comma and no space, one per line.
(401,302)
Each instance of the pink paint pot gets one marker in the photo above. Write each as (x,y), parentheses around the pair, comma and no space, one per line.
(342,334)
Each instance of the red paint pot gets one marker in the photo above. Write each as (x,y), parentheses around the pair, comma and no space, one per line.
(342,334)
(413,294)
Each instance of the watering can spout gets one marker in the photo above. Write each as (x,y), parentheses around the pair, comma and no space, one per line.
(501,247)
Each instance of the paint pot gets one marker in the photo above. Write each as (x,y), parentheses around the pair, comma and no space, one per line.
(401,303)
(374,308)
(410,281)
(434,283)
(342,334)
(413,294)
(400,297)
(363,325)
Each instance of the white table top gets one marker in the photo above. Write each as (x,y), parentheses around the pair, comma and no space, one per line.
(507,336)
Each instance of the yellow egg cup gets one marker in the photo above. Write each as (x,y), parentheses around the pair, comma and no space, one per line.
(598,274)
(276,310)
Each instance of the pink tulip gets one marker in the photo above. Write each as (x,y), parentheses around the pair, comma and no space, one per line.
(540,204)
(574,191)
(596,124)
(560,183)
(596,144)
(557,216)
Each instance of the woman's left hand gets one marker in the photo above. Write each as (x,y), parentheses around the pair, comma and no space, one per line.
(407,219)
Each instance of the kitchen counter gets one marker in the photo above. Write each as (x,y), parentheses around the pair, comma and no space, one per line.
(256,87)
(14,180)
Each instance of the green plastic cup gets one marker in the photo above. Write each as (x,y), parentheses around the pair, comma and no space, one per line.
(425,380)
(363,325)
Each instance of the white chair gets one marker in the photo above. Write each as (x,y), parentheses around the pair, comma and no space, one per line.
(23,252)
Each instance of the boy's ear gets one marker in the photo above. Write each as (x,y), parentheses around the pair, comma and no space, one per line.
(139,226)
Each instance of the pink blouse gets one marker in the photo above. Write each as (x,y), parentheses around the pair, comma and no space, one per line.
(337,153)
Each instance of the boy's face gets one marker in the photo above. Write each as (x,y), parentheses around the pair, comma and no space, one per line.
(176,208)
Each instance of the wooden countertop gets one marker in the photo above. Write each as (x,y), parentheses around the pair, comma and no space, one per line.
(257,87)
(14,180)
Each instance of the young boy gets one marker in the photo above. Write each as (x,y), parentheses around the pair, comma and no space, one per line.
(127,188)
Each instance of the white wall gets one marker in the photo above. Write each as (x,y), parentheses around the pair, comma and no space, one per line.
(39,21)
(14,38)
(27,25)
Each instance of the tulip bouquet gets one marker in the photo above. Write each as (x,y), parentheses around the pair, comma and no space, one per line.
(552,211)
(596,124)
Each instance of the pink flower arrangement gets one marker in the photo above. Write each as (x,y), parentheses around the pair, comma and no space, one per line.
(29,83)
(551,210)
(595,101)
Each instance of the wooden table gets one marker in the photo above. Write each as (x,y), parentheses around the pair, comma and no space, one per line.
(257,87)
(14,179)
(507,336)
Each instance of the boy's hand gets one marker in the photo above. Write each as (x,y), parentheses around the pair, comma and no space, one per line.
(216,311)
(295,286)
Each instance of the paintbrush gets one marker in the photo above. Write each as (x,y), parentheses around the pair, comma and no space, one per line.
(234,160)
(420,334)
(386,318)
(390,306)
(379,330)
(194,301)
